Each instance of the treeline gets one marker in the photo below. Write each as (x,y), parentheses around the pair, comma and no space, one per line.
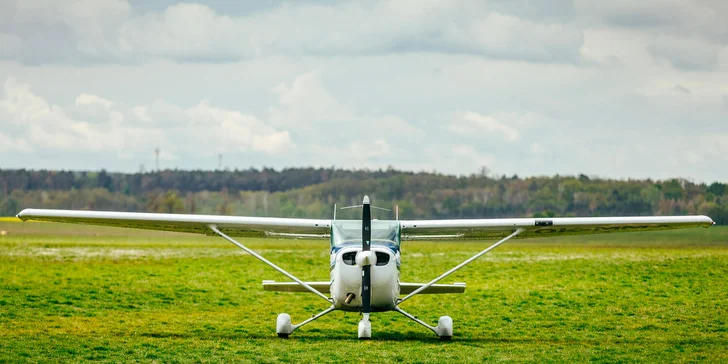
(310,192)
(183,181)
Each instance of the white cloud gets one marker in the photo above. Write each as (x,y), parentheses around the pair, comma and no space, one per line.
(76,13)
(140,112)
(386,89)
(233,130)
(8,144)
(71,31)
(369,149)
(272,143)
(184,31)
(47,126)
(704,19)
(477,125)
(201,129)
(307,107)
(305,102)
(469,157)
(87,99)
(685,53)
(538,148)
(108,31)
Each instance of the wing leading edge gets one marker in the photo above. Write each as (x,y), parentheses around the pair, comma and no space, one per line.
(245,226)
(543,227)
(241,226)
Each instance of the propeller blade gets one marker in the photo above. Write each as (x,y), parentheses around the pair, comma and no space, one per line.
(366,277)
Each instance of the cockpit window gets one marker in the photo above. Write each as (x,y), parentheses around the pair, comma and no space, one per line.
(348,232)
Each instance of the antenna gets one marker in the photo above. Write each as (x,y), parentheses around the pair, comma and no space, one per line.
(396,212)
(334,211)
(156,153)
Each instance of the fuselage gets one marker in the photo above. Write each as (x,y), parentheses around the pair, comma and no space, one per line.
(346,275)
(346,279)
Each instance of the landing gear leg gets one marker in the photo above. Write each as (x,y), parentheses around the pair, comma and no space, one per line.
(284,327)
(443,328)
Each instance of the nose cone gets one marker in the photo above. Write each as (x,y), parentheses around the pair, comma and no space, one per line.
(366,200)
(365,258)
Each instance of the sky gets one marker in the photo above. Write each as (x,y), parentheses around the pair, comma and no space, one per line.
(616,89)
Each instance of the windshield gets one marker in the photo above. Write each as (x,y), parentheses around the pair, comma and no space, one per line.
(348,232)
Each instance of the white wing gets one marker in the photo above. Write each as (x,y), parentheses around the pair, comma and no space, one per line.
(411,230)
(497,228)
(230,225)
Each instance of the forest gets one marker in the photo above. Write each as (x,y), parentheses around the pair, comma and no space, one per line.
(312,192)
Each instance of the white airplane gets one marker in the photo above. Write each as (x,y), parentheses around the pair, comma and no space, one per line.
(365,254)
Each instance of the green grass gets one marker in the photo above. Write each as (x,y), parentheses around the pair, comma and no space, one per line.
(77,293)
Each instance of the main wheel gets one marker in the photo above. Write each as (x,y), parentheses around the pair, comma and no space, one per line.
(284,326)
(444,328)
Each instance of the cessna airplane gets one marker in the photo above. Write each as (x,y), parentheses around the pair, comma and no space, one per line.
(365,255)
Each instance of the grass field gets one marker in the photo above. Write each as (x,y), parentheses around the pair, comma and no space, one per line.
(76,293)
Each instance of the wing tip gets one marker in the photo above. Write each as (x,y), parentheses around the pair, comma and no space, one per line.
(708,220)
(21,214)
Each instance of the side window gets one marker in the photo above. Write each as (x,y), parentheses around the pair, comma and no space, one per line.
(382,258)
(349,258)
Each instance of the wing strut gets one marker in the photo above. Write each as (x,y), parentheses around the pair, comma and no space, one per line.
(266,261)
(474,257)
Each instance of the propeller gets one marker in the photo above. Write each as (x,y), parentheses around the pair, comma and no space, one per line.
(366,238)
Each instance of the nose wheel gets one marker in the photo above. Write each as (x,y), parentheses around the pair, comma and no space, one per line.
(365,328)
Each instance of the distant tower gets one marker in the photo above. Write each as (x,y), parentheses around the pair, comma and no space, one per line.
(219,161)
(156,153)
